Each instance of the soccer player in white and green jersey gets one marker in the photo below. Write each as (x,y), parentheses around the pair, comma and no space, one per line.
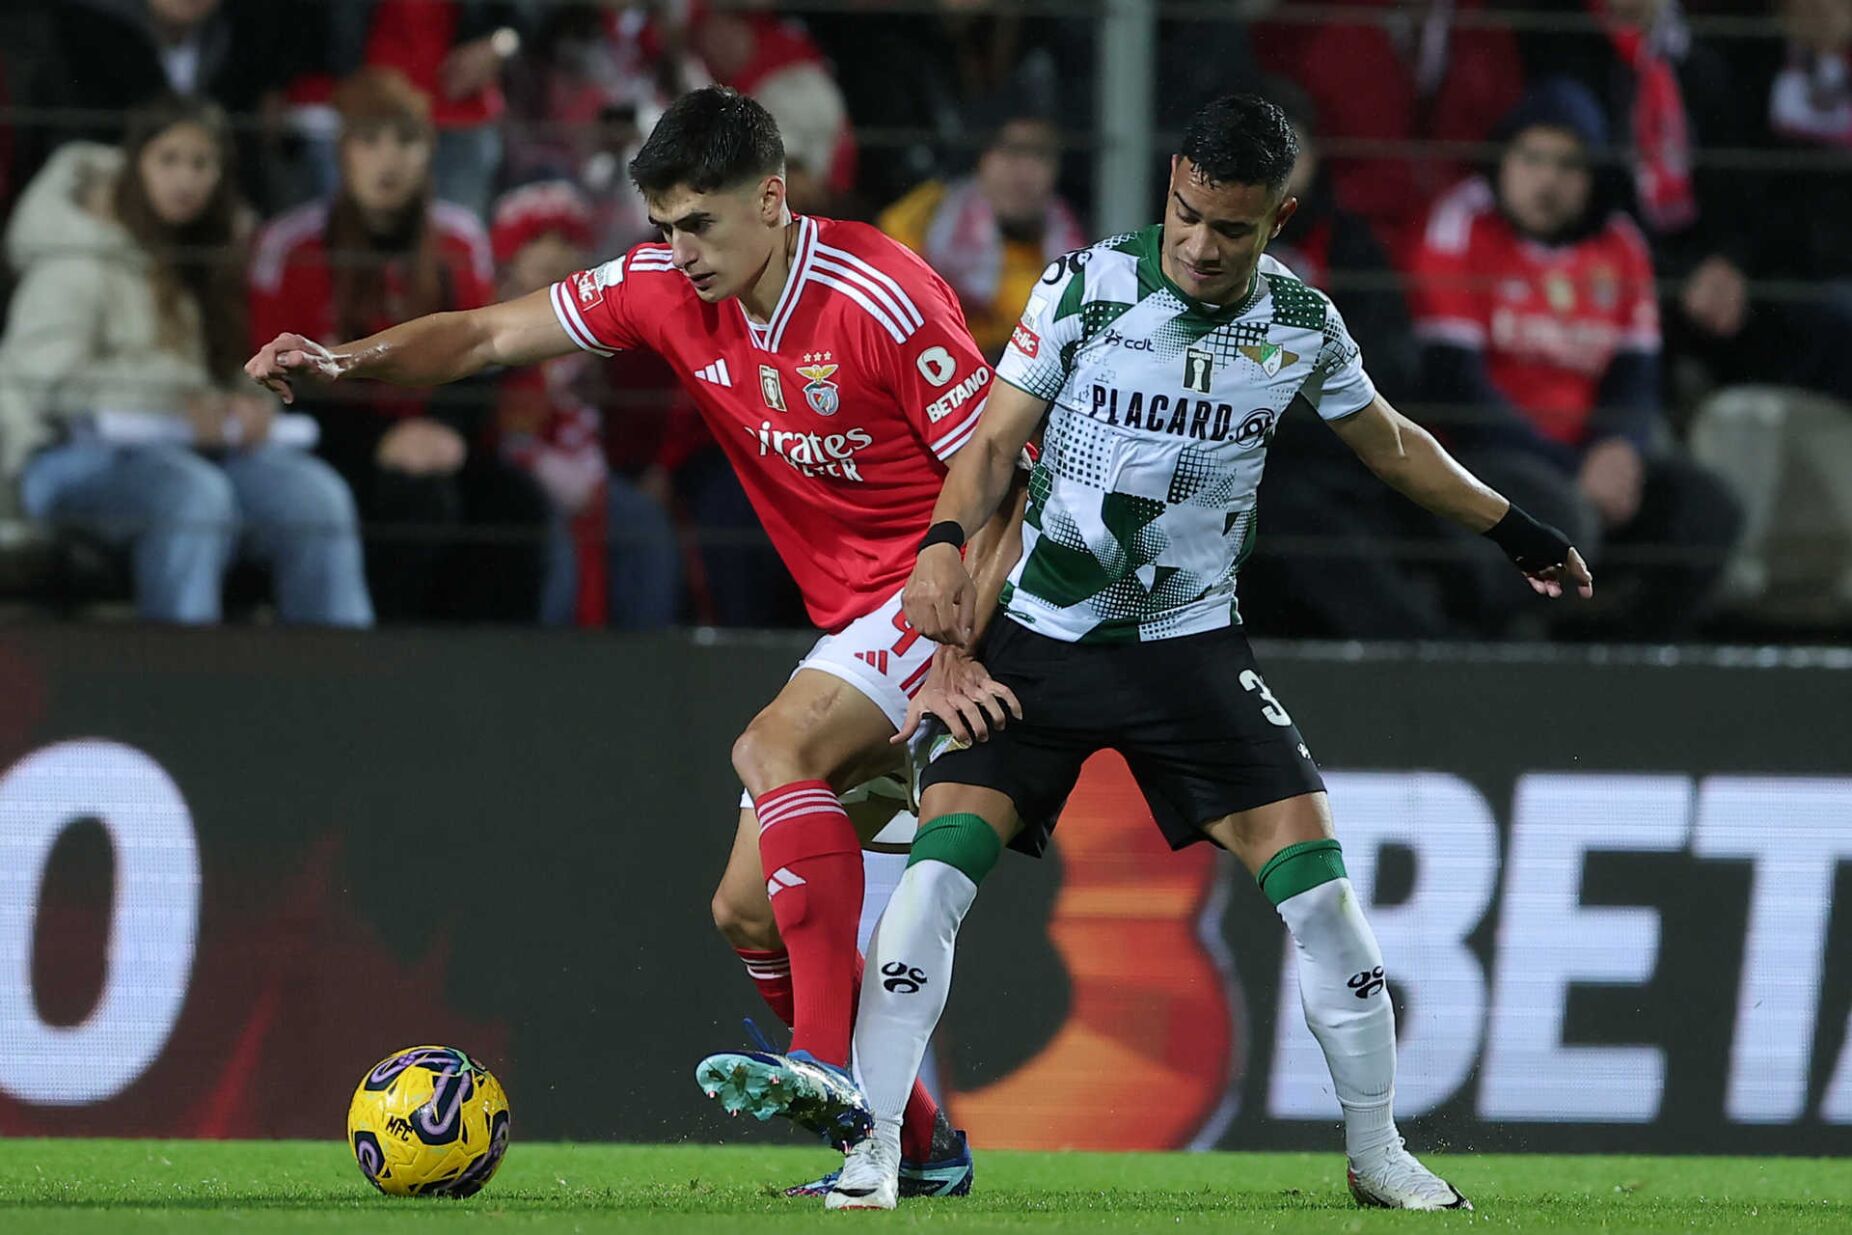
(1157,364)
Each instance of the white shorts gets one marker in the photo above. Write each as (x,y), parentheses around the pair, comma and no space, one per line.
(885,659)
(878,654)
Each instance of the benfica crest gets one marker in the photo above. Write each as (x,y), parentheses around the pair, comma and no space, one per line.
(819,390)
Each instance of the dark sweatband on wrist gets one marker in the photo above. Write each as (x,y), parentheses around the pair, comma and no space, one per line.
(945,532)
(1532,545)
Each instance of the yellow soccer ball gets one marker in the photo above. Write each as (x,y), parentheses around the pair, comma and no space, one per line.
(428,1121)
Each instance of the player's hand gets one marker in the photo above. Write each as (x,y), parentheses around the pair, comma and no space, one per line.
(962,694)
(941,601)
(1542,552)
(422,447)
(287,358)
(1549,580)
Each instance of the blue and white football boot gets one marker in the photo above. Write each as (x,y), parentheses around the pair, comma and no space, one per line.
(812,1094)
(949,1172)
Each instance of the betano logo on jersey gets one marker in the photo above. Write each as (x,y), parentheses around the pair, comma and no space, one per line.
(1181,416)
(813,454)
(957,396)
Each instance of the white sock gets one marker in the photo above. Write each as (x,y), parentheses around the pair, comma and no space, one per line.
(888,1132)
(1347,1007)
(881,874)
(905,981)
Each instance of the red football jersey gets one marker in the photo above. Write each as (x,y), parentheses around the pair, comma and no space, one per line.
(838,413)
(1549,318)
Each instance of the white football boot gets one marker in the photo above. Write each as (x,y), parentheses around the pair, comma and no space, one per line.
(870,1176)
(1392,1178)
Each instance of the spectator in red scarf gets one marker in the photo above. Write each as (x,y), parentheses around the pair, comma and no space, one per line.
(1665,95)
(384,250)
(1537,311)
(1411,74)
(992,233)
(616,561)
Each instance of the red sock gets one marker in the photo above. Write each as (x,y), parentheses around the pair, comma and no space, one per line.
(771,974)
(813,873)
(916,1122)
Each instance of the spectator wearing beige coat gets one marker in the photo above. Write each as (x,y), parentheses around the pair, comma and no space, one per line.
(122,410)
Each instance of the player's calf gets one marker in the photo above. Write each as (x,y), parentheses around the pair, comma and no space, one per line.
(1341,984)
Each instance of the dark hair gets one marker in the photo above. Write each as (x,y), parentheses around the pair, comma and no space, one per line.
(203,258)
(1242,139)
(372,100)
(711,138)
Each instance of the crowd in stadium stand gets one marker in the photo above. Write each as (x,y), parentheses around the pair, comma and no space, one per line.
(1603,255)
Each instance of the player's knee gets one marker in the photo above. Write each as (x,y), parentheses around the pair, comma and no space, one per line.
(744,922)
(764,758)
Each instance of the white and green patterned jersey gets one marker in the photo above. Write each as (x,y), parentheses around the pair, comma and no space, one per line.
(1142,504)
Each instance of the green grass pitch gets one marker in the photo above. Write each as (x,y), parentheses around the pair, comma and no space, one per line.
(55,1187)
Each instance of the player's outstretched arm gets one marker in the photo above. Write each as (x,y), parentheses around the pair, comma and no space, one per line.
(426,351)
(1407,457)
(941,599)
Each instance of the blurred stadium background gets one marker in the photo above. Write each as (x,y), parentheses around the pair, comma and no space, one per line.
(1606,846)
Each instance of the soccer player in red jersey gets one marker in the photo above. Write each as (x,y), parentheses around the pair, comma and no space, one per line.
(835,369)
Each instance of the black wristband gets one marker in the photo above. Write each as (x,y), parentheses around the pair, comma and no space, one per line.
(1532,545)
(945,532)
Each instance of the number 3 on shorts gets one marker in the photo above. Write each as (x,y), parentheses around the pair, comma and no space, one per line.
(1270,707)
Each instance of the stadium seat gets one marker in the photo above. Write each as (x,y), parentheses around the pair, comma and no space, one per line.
(1787,455)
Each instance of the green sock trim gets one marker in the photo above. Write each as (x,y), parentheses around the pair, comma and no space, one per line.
(1300,868)
(964,842)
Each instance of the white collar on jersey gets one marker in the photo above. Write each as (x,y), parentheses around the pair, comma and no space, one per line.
(767,337)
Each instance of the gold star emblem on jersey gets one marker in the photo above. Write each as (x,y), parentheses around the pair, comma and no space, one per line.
(1271,357)
(819,391)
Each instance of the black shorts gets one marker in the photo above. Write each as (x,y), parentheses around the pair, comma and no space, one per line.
(1201,732)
